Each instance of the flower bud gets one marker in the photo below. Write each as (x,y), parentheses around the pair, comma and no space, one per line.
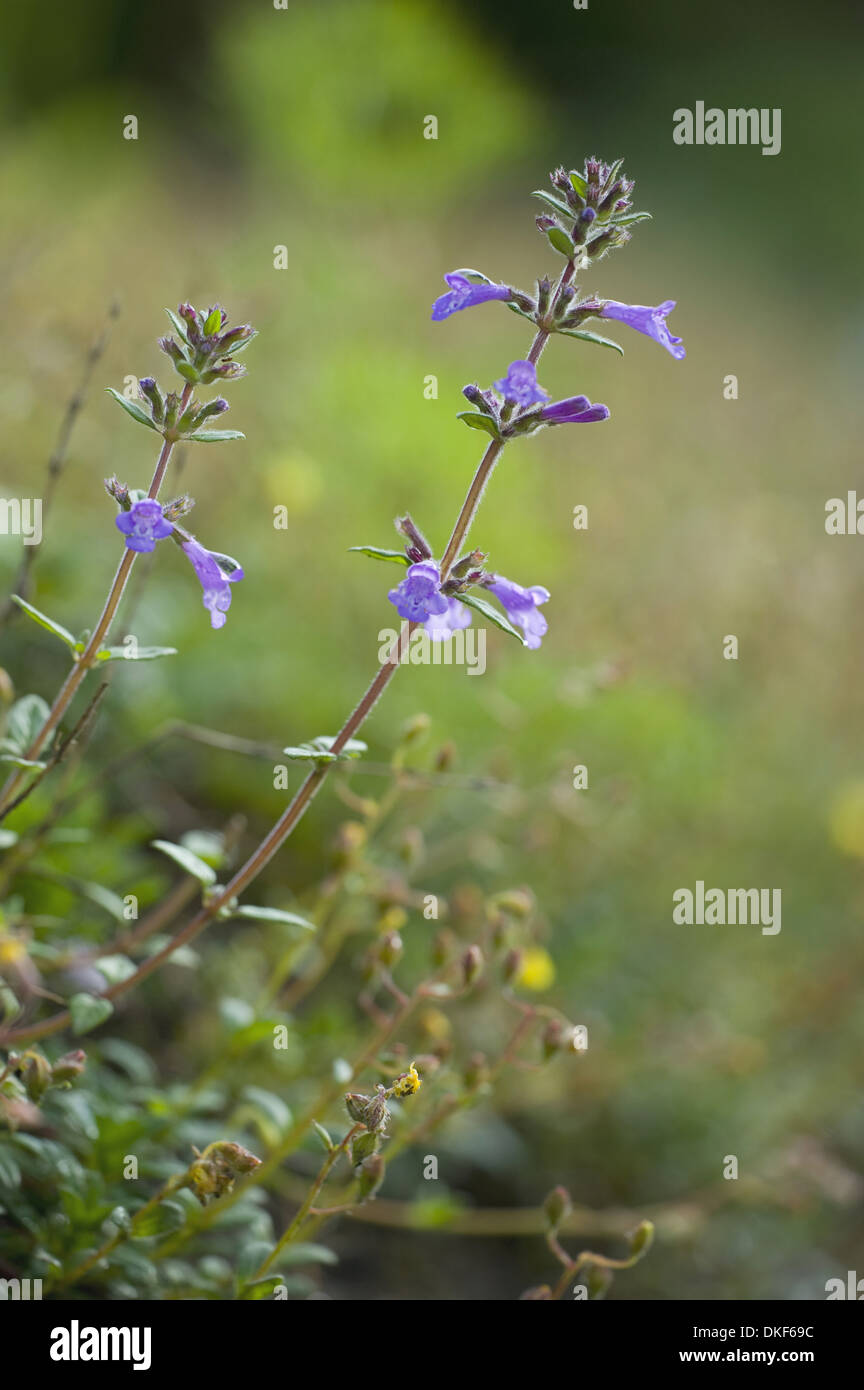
(377,1114)
(215,1171)
(151,393)
(512,965)
(544,294)
(363,1146)
(390,949)
(415,729)
(172,349)
(557,1207)
(178,507)
(35,1073)
(554,1037)
(417,541)
(472,964)
(234,337)
(69,1067)
(597,1281)
(518,902)
(443,946)
(445,757)
(357,1104)
(215,407)
(641,1239)
(119,491)
(229,370)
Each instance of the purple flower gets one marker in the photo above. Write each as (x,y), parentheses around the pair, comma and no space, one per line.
(520,385)
(418,596)
(443,625)
(521,607)
(215,580)
(143,525)
(576,410)
(646,320)
(464,294)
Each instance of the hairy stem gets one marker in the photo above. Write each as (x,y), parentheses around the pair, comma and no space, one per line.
(83,663)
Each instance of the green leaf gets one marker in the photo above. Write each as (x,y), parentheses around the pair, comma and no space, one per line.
(187,860)
(167,1217)
(136,411)
(104,898)
(213,322)
(20,762)
(398,556)
(88,1012)
(261,1288)
(178,323)
(273,914)
(188,372)
(214,436)
(8,838)
(207,844)
(560,240)
(559,205)
(24,721)
(304,1253)
(626,217)
(476,421)
(317,750)
(251,1257)
(268,1110)
(10,1171)
(481,606)
(323,1136)
(134,653)
(116,969)
(614,171)
(591,338)
(44,621)
(121,1219)
(579,183)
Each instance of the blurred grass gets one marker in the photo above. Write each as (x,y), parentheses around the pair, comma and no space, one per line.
(706,518)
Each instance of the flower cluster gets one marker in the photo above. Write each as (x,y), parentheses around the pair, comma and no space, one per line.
(421,598)
(206,350)
(143,522)
(205,353)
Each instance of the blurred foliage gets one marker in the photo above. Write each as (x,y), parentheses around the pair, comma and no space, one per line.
(303,128)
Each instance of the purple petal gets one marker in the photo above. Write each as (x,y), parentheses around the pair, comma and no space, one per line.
(647,320)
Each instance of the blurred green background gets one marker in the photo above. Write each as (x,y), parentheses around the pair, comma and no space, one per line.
(303,128)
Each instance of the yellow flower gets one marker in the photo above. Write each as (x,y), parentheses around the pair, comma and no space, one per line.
(847,819)
(537,971)
(408,1082)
